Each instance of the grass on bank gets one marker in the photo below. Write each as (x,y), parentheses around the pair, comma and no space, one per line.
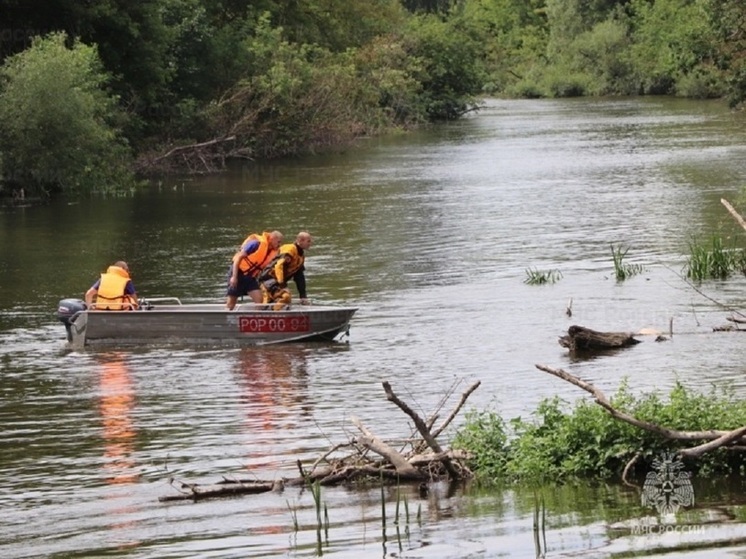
(583,441)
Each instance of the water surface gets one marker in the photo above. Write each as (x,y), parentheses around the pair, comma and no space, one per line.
(430,235)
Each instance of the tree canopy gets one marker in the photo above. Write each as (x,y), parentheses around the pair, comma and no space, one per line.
(270,78)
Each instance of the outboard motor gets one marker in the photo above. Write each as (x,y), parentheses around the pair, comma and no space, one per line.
(67,310)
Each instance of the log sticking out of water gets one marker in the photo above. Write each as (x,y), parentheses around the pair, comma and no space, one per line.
(417,459)
(580,338)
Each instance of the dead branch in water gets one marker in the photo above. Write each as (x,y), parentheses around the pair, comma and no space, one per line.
(371,458)
(733,212)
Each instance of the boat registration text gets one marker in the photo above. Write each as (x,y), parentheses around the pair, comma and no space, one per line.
(272,324)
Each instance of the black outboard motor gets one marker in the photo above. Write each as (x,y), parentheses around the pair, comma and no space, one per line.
(66,312)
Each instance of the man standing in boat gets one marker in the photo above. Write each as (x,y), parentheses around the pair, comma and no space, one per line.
(114,291)
(288,264)
(255,253)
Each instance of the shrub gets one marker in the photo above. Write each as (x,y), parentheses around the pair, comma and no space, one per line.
(585,441)
(59,125)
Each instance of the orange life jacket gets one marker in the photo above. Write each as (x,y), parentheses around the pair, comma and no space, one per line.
(111,295)
(253,263)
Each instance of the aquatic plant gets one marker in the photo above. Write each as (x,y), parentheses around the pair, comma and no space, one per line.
(540,533)
(294,515)
(713,260)
(540,277)
(624,271)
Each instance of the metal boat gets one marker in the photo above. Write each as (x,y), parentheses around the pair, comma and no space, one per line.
(166,320)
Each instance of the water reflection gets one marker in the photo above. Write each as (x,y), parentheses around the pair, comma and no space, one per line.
(274,395)
(116,406)
(116,403)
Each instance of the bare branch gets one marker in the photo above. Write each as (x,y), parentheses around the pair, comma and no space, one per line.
(458,407)
(422,428)
(733,212)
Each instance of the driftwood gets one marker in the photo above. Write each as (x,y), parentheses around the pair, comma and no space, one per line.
(194,491)
(370,458)
(733,212)
(734,439)
(579,338)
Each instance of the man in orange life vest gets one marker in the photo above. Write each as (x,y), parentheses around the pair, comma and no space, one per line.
(289,264)
(255,253)
(113,291)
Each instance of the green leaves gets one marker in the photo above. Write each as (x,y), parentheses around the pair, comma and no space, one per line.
(562,441)
(58,122)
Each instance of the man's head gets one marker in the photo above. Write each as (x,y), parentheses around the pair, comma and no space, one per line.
(304,240)
(122,264)
(275,239)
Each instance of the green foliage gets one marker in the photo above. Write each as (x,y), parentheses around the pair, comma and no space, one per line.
(537,277)
(59,124)
(388,78)
(600,54)
(727,17)
(713,260)
(671,39)
(453,71)
(303,98)
(624,271)
(296,77)
(513,35)
(587,442)
(337,25)
(703,82)
(484,436)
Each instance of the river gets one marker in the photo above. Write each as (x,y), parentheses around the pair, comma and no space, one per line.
(431,235)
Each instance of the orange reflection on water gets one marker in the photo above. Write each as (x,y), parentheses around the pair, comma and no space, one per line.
(116,405)
(274,384)
(117,398)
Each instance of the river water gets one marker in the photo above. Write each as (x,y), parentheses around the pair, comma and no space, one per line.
(431,235)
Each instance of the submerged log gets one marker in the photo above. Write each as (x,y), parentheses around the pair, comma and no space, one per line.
(227,487)
(580,338)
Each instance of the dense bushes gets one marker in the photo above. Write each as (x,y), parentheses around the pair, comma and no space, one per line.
(585,441)
(60,127)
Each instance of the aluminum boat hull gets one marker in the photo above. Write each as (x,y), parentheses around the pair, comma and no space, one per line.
(208,324)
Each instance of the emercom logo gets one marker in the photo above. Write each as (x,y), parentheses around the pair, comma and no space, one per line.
(667,487)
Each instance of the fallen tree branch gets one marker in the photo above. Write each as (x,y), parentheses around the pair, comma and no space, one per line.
(724,440)
(422,428)
(371,459)
(604,402)
(628,467)
(369,440)
(457,409)
(733,212)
